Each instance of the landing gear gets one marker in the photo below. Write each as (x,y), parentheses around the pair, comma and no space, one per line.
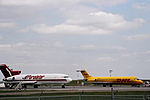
(110,85)
(7,85)
(35,86)
(24,86)
(12,86)
(104,85)
(63,86)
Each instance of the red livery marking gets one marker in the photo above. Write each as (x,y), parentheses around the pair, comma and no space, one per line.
(44,80)
(85,74)
(30,77)
(123,80)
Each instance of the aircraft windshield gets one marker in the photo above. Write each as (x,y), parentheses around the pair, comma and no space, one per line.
(136,79)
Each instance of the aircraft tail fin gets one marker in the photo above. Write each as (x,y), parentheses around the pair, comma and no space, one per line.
(8,72)
(84,73)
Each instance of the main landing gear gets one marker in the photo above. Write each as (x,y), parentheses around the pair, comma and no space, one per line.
(35,86)
(63,86)
(104,85)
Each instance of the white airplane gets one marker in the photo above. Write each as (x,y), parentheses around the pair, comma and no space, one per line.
(14,78)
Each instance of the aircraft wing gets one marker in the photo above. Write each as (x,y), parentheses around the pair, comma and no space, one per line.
(29,82)
(21,82)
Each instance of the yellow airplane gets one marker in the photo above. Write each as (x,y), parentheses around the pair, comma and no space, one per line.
(134,81)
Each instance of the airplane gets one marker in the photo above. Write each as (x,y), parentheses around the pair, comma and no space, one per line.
(16,79)
(134,81)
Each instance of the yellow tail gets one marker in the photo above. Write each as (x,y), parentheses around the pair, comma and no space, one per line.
(84,73)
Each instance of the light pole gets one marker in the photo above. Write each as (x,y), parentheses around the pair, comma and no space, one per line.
(110,71)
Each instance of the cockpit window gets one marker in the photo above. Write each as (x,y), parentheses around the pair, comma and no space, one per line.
(66,76)
(136,79)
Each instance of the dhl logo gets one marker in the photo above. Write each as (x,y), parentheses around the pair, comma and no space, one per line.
(123,80)
(85,74)
(34,77)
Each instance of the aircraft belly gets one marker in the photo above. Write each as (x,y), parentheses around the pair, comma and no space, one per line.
(51,81)
(102,82)
(11,81)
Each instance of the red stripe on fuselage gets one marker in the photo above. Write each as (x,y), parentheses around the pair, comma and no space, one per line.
(41,80)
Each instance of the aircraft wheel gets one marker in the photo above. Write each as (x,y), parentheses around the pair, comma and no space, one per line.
(24,86)
(110,85)
(63,86)
(104,85)
(138,85)
(7,85)
(12,85)
(35,86)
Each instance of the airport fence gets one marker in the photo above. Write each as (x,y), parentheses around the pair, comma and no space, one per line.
(81,97)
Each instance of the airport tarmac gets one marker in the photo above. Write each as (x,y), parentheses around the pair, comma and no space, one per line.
(71,89)
(88,88)
(95,88)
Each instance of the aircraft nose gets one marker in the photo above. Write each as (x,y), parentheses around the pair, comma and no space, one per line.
(141,82)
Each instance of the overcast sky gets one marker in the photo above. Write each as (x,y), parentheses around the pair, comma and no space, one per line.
(60,36)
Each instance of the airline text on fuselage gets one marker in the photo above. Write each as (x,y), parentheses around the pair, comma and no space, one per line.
(30,77)
(123,80)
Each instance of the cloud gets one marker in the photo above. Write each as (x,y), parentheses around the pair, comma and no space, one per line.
(141,6)
(19,44)
(96,48)
(146,52)
(4,25)
(114,22)
(19,2)
(5,46)
(138,37)
(50,3)
(136,54)
(117,48)
(12,46)
(80,19)
(105,59)
(66,29)
(148,60)
(100,23)
(89,47)
(58,2)
(106,2)
(1,38)
(58,45)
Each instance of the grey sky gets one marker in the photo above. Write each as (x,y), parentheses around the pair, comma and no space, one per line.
(60,36)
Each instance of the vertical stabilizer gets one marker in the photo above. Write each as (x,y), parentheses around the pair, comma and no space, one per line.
(84,73)
(8,72)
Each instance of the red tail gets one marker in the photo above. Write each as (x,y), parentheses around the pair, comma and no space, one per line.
(8,72)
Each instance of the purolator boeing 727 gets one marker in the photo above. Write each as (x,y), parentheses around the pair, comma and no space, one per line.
(14,78)
(134,81)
